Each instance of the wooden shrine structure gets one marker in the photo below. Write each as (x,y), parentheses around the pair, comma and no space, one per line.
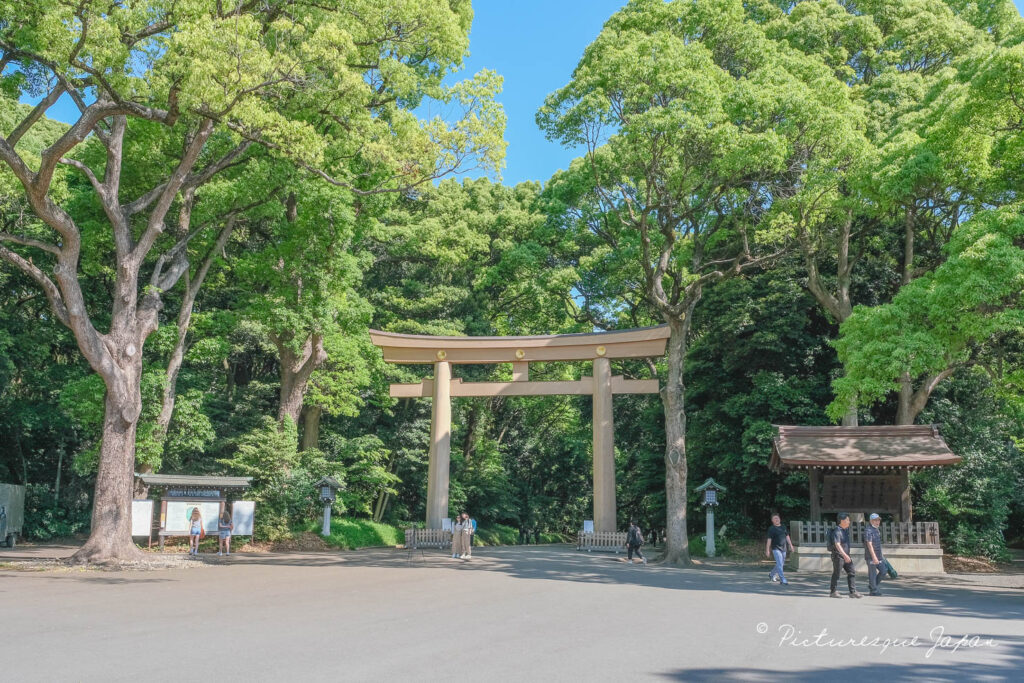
(860,470)
(600,348)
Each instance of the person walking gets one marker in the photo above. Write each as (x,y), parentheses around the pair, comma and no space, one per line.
(224,527)
(457,537)
(839,545)
(776,545)
(467,536)
(873,553)
(634,539)
(195,531)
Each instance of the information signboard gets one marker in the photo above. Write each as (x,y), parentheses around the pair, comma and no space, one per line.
(179,512)
(243,513)
(142,517)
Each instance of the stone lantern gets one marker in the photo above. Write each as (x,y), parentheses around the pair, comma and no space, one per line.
(329,488)
(710,489)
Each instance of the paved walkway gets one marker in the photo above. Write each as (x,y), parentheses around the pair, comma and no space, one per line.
(520,613)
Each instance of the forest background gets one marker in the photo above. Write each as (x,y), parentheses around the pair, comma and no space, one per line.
(821,199)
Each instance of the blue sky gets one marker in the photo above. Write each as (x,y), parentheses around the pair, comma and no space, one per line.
(535,45)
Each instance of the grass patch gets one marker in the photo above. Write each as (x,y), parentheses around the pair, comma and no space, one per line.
(349,534)
(496,534)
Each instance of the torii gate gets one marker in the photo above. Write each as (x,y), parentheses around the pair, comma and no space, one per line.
(600,347)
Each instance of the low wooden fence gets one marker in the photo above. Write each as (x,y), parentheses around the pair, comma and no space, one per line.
(614,541)
(921,534)
(428,538)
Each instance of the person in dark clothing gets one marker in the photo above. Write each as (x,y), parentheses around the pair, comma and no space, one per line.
(839,544)
(873,553)
(777,544)
(634,539)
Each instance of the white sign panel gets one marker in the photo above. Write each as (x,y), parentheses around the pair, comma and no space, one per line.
(179,512)
(142,517)
(242,514)
(588,526)
(446,524)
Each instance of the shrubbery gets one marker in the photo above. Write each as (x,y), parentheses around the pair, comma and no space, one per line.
(283,477)
(46,519)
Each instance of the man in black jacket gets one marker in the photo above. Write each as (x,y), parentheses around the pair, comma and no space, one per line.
(839,544)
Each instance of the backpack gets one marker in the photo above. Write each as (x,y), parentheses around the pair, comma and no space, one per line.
(833,534)
(635,537)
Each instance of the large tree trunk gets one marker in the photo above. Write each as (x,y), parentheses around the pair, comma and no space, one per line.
(677,550)
(905,413)
(111,534)
(310,427)
(912,402)
(296,369)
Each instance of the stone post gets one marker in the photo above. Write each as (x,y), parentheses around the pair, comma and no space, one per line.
(440,446)
(604,448)
(709,544)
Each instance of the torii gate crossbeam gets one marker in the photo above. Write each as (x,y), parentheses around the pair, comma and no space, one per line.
(599,347)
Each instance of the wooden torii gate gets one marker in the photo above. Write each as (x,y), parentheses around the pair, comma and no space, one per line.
(599,347)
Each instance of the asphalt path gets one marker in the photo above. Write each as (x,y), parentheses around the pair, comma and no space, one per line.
(509,614)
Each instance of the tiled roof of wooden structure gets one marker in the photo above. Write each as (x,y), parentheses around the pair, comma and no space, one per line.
(195,481)
(874,447)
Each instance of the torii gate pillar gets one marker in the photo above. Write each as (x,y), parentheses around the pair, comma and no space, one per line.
(604,448)
(440,446)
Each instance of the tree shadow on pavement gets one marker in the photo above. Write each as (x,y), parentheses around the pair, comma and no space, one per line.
(941,596)
(1006,663)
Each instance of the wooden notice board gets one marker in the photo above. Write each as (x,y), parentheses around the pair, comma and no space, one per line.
(861,493)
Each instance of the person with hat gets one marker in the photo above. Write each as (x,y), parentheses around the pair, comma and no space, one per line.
(873,553)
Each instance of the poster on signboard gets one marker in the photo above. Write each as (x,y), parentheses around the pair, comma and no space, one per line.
(142,517)
(179,512)
(242,514)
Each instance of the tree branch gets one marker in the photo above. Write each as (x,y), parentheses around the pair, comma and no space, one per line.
(155,224)
(35,114)
(52,293)
(45,246)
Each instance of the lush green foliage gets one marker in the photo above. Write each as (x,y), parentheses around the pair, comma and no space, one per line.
(754,174)
(283,477)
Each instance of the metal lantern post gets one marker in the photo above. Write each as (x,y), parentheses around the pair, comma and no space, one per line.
(328,493)
(710,488)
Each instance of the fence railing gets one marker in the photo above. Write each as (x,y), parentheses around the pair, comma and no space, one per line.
(614,541)
(428,538)
(923,534)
